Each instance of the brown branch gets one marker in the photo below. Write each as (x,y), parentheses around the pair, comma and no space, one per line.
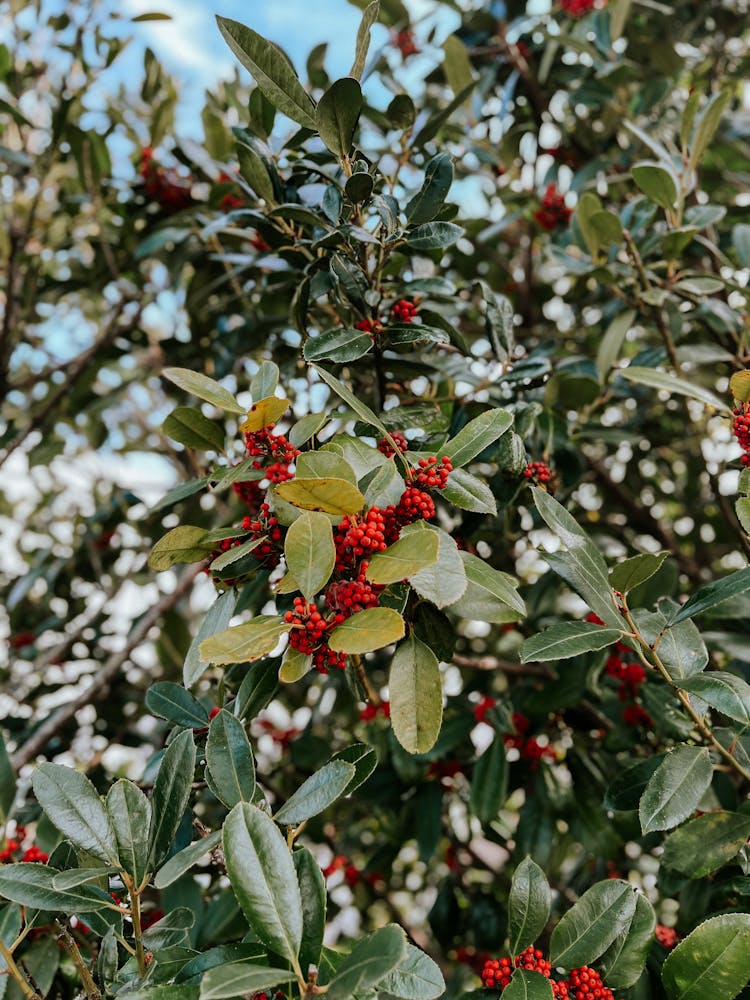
(109,671)
(504,666)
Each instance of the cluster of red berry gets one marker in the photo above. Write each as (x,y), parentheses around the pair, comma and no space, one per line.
(164,185)
(529,747)
(581,984)
(553,211)
(405,43)
(385,446)
(359,536)
(432,476)
(482,708)
(229,201)
(741,428)
(404,311)
(14,846)
(541,474)
(309,634)
(371,326)
(370,712)
(629,676)
(265,445)
(666,936)
(577,8)
(351,596)
(267,526)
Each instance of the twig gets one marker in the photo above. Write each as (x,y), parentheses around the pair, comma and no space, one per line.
(504,666)
(66,940)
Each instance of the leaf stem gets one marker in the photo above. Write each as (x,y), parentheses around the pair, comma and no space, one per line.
(19,977)
(67,941)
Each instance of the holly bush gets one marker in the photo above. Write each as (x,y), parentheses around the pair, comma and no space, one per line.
(430,674)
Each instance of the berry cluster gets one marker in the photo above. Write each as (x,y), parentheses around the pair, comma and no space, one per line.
(577,8)
(229,201)
(282,454)
(309,634)
(483,707)
(370,712)
(351,596)
(405,43)
(359,536)
(266,526)
(414,505)
(371,326)
(581,984)
(629,676)
(432,476)
(258,243)
(553,211)
(403,311)
(666,936)
(541,474)
(529,748)
(14,846)
(741,428)
(385,446)
(163,185)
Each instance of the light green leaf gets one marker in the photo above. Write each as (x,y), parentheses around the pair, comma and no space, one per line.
(656,183)
(183,544)
(416,977)
(568,639)
(189,427)
(477,435)
(704,844)
(416,695)
(367,630)
(489,592)
(705,129)
(310,553)
(676,788)
(204,388)
(244,643)
(332,496)
(404,558)
(656,379)
(216,620)
(630,573)
(725,692)
(434,236)
(254,171)
(445,581)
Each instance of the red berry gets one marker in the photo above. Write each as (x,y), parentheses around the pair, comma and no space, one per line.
(553,211)
(399,440)
(404,311)
(666,936)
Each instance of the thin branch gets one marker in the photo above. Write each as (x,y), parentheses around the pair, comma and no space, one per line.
(504,666)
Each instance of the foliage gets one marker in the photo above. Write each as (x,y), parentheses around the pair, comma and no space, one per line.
(391,342)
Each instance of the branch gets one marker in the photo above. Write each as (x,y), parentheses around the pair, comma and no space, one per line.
(504,666)
(109,671)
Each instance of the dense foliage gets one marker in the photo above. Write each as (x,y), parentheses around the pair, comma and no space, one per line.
(441,627)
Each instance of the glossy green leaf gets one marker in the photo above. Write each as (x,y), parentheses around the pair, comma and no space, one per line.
(332,496)
(468,492)
(434,236)
(489,782)
(240,979)
(428,201)
(75,808)
(725,692)
(361,409)
(189,427)
(244,643)
(294,665)
(416,695)
(204,388)
(183,544)
(630,573)
(130,814)
(612,341)
(600,916)
(7,782)
(568,639)
(303,430)
(310,553)
(369,962)
(230,760)
(713,961)
(316,793)
(527,985)
(705,129)
(704,844)
(404,558)
(31,885)
(529,904)
(367,630)
(445,581)
(171,795)
(81,876)
(172,702)
(270,70)
(656,183)
(676,788)
(216,620)
(312,889)
(416,977)
(365,760)
(713,594)
(184,860)
(180,492)
(627,788)
(476,436)
(340,344)
(264,880)
(681,648)
(338,113)
(489,592)
(623,962)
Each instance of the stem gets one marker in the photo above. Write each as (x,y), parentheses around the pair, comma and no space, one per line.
(19,977)
(371,696)
(66,940)
(661,323)
(135,916)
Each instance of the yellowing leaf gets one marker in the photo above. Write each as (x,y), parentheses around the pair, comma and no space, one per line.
(294,665)
(180,545)
(264,412)
(244,643)
(404,558)
(332,496)
(367,630)
(739,383)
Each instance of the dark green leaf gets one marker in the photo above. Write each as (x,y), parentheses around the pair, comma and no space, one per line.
(31,885)
(240,979)
(312,889)
(527,985)
(316,793)
(171,795)
(180,545)
(216,620)
(623,962)
(568,639)
(7,782)
(340,345)
(656,183)
(428,201)
(416,977)
(130,813)
(632,572)
(706,843)
(74,807)
(489,782)
(338,113)
(370,962)
(172,702)
(676,788)
(476,436)
(600,916)
(189,427)
(528,904)
(204,388)
(434,235)
(309,552)
(364,759)
(713,961)
(230,760)
(184,860)
(416,694)
(254,171)
(469,492)
(713,594)
(725,692)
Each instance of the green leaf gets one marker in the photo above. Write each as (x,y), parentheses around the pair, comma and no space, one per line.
(488,592)
(217,619)
(180,492)
(526,985)
(204,388)
(31,885)
(725,692)
(713,961)
(630,573)
(404,558)
(623,962)
(367,630)
(364,759)
(265,381)
(560,642)
(7,782)
(73,805)
(10,925)
(416,977)
(681,648)
(416,694)
(436,121)
(184,860)
(80,876)
(672,383)
(338,113)
(312,889)
(183,544)
(434,236)
(341,344)
(230,760)
(656,183)
(130,814)
(489,782)
(332,496)
(529,905)
(264,880)
(294,665)
(612,341)
(271,71)
(468,492)
(254,171)
(240,979)
(189,427)
(580,563)
(369,17)
(444,582)
(172,702)
(310,553)
(234,554)
(171,795)
(316,793)
(705,129)
(305,427)
(361,409)
(600,916)
(428,201)
(741,242)
(177,991)
(706,843)
(477,435)
(256,691)
(713,594)
(369,962)
(627,788)
(244,643)
(457,65)
(676,788)
(498,321)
